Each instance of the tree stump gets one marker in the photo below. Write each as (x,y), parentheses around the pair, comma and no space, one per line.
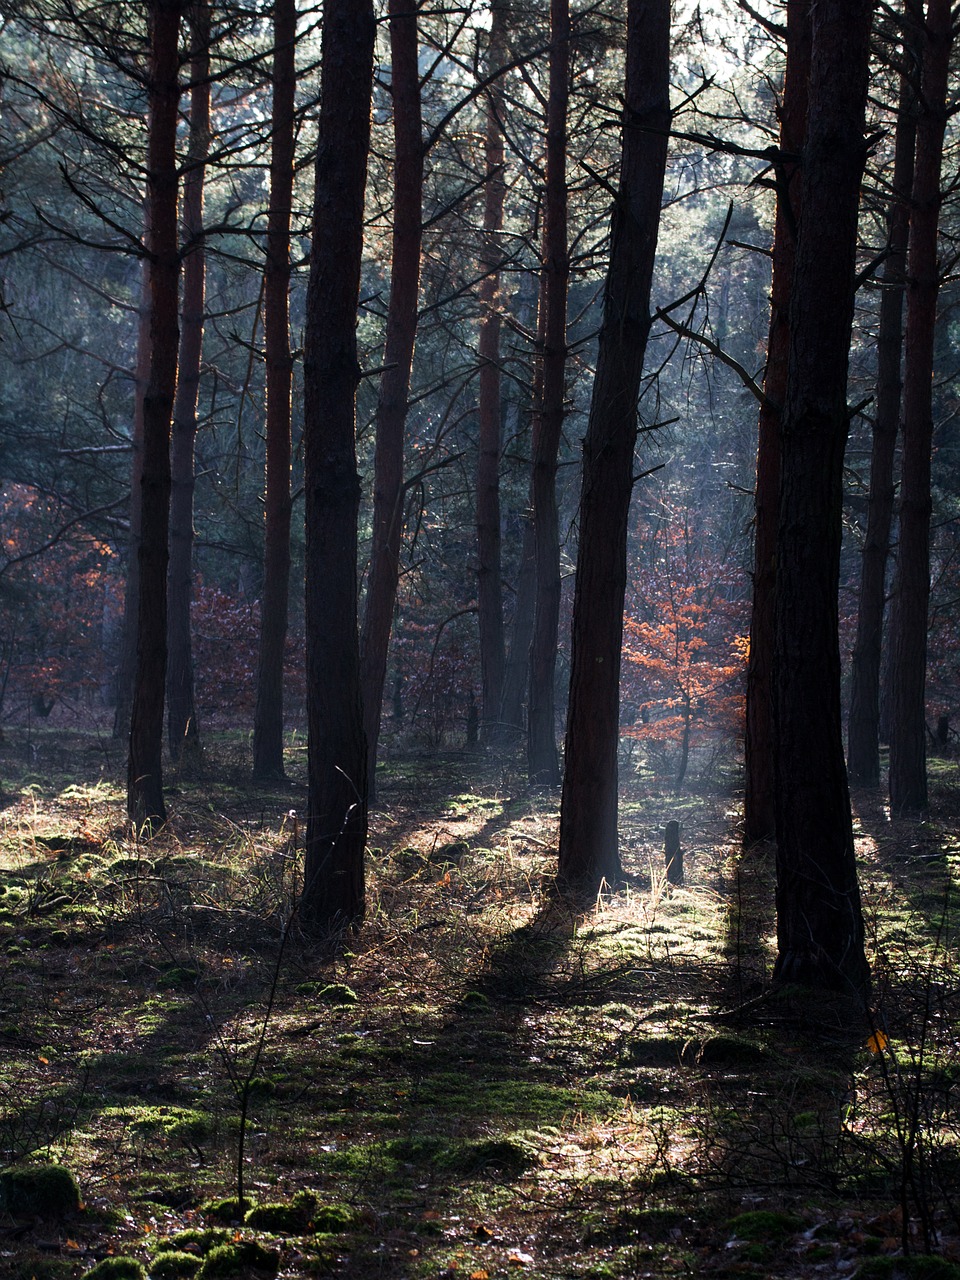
(672,852)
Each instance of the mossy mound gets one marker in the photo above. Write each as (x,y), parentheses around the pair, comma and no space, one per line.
(174,1264)
(118,1268)
(337,993)
(39,1191)
(764,1225)
(226,1210)
(278,1219)
(237,1258)
(196,1239)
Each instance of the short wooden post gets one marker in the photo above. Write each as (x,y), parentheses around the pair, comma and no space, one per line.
(672,852)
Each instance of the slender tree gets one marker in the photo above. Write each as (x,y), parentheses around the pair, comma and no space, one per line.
(274,597)
(543,765)
(183,733)
(144,763)
(392,404)
(759,808)
(908,763)
(863,726)
(333,891)
(589,853)
(819,921)
(489,581)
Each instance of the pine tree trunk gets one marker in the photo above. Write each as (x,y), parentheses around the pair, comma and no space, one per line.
(543,766)
(908,760)
(516,667)
(333,890)
(863,728)
(589,853)
(395,380)
(489,581)
(183,733)
(144,763)
(759,808)
(819,921)
(275,595)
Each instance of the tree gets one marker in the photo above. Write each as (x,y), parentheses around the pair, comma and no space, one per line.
(333,890)
(908,766)
(392,404)
(144,761)
(183,733)
(819,921)
(863,726)
(543,765)
(589,853)
(274,600)
(759,808)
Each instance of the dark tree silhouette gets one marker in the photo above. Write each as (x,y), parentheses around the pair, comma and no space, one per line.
(819,921)
(589,853)
(333,890)
(144,762)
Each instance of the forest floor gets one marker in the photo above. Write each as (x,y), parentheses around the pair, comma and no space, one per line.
(479,1084)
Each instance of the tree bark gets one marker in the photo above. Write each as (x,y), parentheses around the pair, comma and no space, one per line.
(908,745)
(759,807)
(589,853)
(819,921)
(543,765)
(863,728)
(275,595)
(392,405)
(183,733)
(333,890)
(144,762)
(489,581)
(517,665)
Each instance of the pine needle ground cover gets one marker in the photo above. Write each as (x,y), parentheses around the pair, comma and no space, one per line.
(477,1082)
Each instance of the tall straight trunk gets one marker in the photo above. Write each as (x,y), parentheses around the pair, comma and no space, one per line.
(863,728)
(759,808)
(395,379)
(183,734)
(275,595)
(489,581)
(543,766)
(819,921)
(127,657)
(144,762)
(908,760)
(517,663)
(333,889)
(589,854)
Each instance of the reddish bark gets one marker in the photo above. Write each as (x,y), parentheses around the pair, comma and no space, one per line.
(333,890)
(489,582)
(543,766)
(395,380)
(275,595)
(863,728)
(183,734)
(819,921)
(144,763)
(759,809)
(908,763)
(589,853)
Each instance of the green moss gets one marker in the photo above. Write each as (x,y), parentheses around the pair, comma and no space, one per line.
(178,976)
(332,1218)
(227,1210)
(276,1218)
(337,993)
(173,1264)
(201,1239)
(764,1225)
(39,1191)
(238,1257)
(117,1268)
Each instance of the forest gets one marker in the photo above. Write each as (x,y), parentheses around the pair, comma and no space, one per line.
(479,639)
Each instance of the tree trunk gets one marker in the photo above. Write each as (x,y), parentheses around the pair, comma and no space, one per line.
(517,665)
(589,853)
(144,762)
(863,728)
(275,595)
(543,766)
(333,890)
(759,808)
(908,759)
(395,379)
(819,921)
(183,734)
(489,582)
